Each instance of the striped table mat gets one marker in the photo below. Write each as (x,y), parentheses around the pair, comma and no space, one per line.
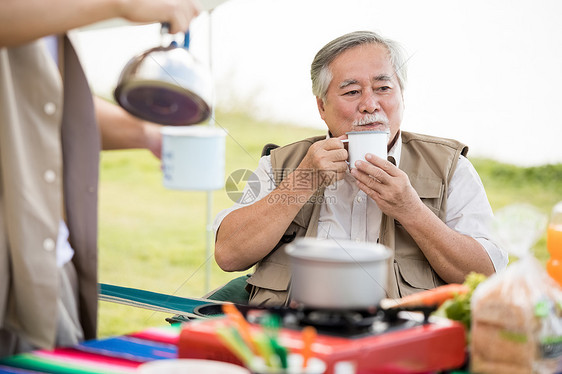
(115,355)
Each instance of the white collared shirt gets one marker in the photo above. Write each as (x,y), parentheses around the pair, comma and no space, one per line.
(348,213)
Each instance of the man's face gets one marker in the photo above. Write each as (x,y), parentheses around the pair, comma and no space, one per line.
(364,93)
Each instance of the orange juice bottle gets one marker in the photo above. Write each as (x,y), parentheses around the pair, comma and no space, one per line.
(554,244)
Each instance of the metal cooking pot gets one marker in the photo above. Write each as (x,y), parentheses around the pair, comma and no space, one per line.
(336,275)
(166,85)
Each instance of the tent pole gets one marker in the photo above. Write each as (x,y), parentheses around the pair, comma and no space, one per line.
(208,228)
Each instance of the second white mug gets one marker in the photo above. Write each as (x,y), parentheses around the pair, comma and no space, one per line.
(193,157)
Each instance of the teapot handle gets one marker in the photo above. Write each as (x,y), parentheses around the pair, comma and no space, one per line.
(186,40)
(165,29)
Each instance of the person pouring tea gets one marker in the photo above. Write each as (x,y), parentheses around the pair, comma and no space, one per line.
(50,131)
(425,202)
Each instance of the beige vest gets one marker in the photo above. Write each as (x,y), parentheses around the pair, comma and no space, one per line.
(428,161)
(37,141)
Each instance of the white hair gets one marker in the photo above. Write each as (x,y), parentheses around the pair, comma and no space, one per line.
(322,76)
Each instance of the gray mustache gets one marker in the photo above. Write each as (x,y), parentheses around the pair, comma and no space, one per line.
(371,118)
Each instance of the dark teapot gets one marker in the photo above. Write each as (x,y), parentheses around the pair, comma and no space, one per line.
(166,85)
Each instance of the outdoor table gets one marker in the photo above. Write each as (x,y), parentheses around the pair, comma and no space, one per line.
(113,355)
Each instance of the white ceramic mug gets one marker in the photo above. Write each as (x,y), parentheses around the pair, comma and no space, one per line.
(362,142)
(193,157)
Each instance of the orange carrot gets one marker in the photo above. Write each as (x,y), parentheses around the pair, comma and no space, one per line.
(308,336)
(435,296)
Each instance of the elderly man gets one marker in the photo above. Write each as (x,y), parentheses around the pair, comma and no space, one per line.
(426,202)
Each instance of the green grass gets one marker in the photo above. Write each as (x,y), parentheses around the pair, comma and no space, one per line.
(153,238)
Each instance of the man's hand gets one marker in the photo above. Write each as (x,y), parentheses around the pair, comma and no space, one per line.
(248,234)
(327,159)
(388,186)
(451,254)
(178,13)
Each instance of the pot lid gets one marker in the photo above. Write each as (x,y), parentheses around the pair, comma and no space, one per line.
(337,250)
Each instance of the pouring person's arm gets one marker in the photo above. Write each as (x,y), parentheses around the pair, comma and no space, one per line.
(121,130)
(248,234)
(22,21)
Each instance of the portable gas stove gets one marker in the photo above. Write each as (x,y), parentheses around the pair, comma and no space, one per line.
(395,341)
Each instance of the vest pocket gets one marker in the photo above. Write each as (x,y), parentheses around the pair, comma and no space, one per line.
(430,191)
(413,275)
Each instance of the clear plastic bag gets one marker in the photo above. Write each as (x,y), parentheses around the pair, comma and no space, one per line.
(517,320)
